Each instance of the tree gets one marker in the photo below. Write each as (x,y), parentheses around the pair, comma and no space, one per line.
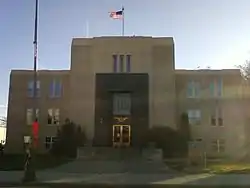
(169,140)
(184,127)
(245,69)
(3,120)
(66,143)
(80,135)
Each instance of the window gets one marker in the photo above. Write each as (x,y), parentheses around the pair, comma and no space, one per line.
(218,145)
(55,89)
(121,63)
(219,117)
(115,66)
(128,63)
(53,116)
(211,89)
(56,117)
(30,117)
(196,89)
(216,88)
(121,104)
(216,117)
(37,114)
(190,89)
(213,120)
(31,90)
(49,141)
(220,87)
(193,89)
(50,116)
(194,117)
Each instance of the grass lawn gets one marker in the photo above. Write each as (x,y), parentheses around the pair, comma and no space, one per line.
(237,168)
(16,162)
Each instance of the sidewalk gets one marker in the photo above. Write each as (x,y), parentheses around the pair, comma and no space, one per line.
(45,178)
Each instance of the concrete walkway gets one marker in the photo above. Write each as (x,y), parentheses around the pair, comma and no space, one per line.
(14,178)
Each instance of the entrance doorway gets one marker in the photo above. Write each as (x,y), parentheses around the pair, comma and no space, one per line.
(121,135)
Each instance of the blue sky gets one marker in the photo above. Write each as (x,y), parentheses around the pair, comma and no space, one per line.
(207,32)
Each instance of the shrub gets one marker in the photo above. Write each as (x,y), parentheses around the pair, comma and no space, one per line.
(184,127)
(170,141)
(69,137)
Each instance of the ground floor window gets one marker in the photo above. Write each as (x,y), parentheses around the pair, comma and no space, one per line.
(218,145)
(49,141)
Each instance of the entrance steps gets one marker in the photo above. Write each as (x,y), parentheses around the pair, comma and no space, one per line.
(113,160)
(114,167)
(108,153)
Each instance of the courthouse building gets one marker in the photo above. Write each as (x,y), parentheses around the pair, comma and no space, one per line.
(118,87)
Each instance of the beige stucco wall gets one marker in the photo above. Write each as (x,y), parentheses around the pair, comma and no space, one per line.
(152,56)
(19,102)
(167,91)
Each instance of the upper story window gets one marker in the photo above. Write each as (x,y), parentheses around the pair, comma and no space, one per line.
(55,89)
(115,65)
(220,87)
(121,104)
(193,89)
(194,117)
(121,63)
(128,60)
(216,88)
(31,88)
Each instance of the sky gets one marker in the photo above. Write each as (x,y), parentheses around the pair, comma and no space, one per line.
(206,32)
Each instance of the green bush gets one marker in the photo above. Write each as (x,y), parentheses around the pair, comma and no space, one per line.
(184,127)
(69,137)
(172,142)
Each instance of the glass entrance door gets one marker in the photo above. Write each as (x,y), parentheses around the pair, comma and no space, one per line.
(121,135)
(125,135)
(117,131)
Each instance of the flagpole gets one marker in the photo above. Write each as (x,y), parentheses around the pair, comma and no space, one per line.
(123,16)
(30,172)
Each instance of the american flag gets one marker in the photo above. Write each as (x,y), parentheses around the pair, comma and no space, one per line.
(117,14)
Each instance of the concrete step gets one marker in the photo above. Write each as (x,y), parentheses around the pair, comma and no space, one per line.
(110,160)
(104,167)
(103,153)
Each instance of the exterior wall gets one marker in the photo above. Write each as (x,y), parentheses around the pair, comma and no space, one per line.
(231,102)
(154,56)
(167,92)
(19,102)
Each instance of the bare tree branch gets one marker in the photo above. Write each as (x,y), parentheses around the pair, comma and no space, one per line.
(3,120)
(245,70)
